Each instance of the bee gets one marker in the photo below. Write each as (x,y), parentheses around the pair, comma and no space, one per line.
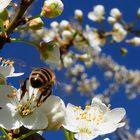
(42,79)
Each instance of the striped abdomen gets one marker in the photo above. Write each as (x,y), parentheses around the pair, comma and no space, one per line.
(42,77)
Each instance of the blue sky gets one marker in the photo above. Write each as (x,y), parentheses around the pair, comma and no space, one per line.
(28,55)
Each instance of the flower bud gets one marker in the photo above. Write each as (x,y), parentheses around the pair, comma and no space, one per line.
(115,13)
(135,41)
(67,35)
(123,51)
(119,33)
(138,13)
(138,133)
(54,25)
(111,20)
(97,14)
(35,24)
(52,8)
(64,24)
(78,14)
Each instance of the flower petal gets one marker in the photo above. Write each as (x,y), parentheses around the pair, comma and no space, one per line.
(4,4)
(9,119)
(83,136)
(71,123)
(35,121)
(5,93)
(6,70)
(15,74)
(54,110)
(92,16)
(115,115)
(51,102)
(108,128)
(98,103)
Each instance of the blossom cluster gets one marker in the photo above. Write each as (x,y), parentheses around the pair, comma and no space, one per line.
(85,39)
(19,107)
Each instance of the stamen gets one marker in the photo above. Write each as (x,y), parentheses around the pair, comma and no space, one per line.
(87,107)
(84,130)
(14,94)
(77,108)
(6,62)
(108,107)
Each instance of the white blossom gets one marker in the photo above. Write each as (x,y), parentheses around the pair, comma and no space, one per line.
(4,4)
(68,59)
(22,109)
(67,35)
(49,35)
(96,119)
(93,38)
(97,14)
(50,52)
(7,69)
(119,33)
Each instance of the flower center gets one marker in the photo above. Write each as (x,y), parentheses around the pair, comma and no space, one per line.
(90,114)
(24,106)
(24,110)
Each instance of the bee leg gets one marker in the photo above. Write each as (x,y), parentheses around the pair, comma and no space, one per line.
(23,88)
(47,92)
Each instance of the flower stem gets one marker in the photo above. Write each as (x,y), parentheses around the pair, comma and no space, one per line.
(71,135)
(66,133)
(24,41)
(26,135)
(3,131)
(2,137)
(2,27)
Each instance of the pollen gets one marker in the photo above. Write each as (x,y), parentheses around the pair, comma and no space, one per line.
(26,112)
(19,105)
(94,118)
(11,62)
(87,107)
(77,108)
(85,130)
(95,108)
(108,107)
